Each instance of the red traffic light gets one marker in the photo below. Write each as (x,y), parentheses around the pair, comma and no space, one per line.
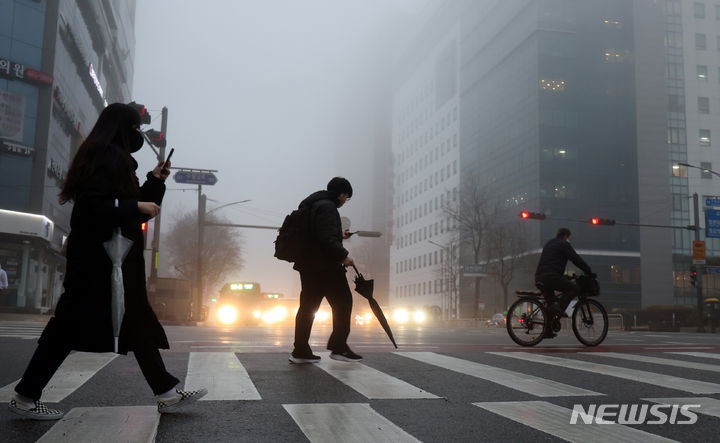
(144,116)
(157,138)
(534,215)
(602,221)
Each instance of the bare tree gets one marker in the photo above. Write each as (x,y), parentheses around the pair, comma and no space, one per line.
(504,249)
(474,215)
(221,254)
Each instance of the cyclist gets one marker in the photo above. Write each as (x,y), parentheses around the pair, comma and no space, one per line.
(550,273)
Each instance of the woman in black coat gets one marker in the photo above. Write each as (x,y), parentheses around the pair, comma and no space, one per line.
(106,193)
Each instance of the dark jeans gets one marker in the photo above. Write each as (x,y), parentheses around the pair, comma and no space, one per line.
(49,356)
(332,285)
(557,282)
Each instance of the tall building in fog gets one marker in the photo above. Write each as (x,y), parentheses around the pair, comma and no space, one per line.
(573,108)
(61,61)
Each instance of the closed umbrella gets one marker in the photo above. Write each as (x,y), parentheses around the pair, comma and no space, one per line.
(117,249)
(365,288)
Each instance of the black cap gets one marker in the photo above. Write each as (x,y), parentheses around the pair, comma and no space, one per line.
(340,185)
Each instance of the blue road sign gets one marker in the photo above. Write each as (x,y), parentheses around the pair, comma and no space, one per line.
(195,178)
(712,201)
(712,269)
(712,223)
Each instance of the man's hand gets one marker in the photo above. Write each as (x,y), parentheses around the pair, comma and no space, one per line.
(347,261)
(347,234)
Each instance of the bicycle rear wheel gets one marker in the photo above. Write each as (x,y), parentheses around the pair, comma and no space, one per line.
(526,321)
(590,322)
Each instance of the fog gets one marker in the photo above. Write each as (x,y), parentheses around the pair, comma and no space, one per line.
(272,94)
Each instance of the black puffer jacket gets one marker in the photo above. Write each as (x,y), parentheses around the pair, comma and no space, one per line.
(555,255)
(326,251)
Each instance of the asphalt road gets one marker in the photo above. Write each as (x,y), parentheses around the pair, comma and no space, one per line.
(441,385)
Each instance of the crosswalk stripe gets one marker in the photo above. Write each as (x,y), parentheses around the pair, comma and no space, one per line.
(555,420)
(77,368)
(345,422)
(708,406)
(698,354)
(652,378)
(222,374)
(657,361)
(369,381)
(107,425)
(514,380)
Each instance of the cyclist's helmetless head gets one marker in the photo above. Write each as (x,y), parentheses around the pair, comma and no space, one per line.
(564,233)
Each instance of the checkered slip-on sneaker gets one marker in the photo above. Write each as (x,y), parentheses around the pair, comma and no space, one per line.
(182,399)
(38,412)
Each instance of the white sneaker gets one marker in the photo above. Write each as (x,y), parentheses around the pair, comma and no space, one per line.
(180,400)
(37,412)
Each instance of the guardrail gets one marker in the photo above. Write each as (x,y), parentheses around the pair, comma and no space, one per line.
(615,322)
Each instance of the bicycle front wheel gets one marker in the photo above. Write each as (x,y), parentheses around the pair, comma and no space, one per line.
(590,322)
(526,322)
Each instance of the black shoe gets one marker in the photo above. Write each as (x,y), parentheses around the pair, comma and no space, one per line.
(550,334)
(303,357)
(345,356)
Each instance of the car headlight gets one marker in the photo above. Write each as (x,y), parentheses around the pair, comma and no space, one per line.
(401,316)
(227,314)
(322,315)
(419,316)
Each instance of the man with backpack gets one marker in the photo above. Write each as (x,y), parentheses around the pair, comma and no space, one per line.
(321,263)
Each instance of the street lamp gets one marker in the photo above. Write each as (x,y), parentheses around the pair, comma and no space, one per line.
(696,210)
(225,205)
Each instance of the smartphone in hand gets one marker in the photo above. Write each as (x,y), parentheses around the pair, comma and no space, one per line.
(168,159)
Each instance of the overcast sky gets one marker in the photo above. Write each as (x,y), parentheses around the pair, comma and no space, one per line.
(263,91)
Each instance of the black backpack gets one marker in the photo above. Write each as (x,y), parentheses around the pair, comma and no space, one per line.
(294,235)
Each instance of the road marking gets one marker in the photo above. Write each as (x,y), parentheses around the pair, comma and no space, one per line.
(222,374)
(675,347)
(555,420)
(369,381)
(656,360)
(698,354)
(77,368)
(108,425)
(708,406)
(345,422)
(652,378)
(514,380)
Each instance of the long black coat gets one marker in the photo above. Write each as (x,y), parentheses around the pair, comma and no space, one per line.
(83,314)
(325,251)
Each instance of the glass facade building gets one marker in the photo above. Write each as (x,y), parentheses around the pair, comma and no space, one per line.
(61,61)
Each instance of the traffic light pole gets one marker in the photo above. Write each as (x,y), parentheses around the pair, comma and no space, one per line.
(202,200)
(700,268)
(156,231)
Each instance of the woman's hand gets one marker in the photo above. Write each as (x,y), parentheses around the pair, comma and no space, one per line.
(149,208)
(162,170)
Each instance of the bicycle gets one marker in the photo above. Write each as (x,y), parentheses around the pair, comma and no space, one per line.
(528,320)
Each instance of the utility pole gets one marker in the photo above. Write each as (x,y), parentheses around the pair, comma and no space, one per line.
(700,268)
(202,200)
(156,231)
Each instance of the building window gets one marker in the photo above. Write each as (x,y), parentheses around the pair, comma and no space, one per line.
(673,39)
(704,137)
(700,41)
(717,12)
(702,73)
(699,10)
(676,136)
(613,23)
(705,173)
(616,55)
(679,171)
(703,105)
(676,103)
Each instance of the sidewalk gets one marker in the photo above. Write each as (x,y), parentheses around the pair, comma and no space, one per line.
(15,316)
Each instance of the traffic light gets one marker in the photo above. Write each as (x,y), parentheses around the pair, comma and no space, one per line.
(157,138)
(693,276)
(602,221)
(144,228)
(535,215)
(144,116)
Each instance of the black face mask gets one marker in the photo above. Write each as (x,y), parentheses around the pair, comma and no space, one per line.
(136,141)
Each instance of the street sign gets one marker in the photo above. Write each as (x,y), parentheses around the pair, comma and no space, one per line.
(195,177)
(712,223)
(712,201)
(474,270)
(712,269)
(698,252)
